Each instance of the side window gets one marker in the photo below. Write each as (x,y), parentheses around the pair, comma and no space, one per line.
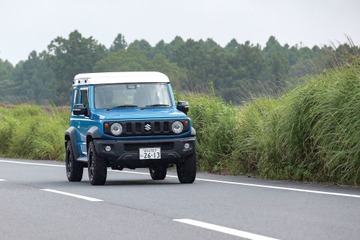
(84,97)
(76,94)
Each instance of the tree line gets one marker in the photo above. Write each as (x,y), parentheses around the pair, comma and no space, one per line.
(237,71)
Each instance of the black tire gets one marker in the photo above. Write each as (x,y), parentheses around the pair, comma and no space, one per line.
(97,167)
(186,170)
(158,172)
(74,169)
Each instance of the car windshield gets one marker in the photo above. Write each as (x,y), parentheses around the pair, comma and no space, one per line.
(142,95)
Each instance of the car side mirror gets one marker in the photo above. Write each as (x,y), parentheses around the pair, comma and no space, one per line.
(80,109)
(183,106)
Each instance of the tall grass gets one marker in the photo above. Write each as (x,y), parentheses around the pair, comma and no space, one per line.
(32,132)
(317,134)
(214,135)
(311,133)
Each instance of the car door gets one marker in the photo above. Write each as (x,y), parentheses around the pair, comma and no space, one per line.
(81,122)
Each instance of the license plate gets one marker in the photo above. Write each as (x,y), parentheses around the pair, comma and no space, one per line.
(149,153)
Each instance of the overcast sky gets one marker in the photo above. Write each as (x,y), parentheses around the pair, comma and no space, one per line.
(27,25)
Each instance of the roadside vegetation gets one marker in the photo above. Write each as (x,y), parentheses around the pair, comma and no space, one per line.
(33,132)
(310,133)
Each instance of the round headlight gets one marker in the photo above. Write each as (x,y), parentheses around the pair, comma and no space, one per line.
(177,127)
(116,129)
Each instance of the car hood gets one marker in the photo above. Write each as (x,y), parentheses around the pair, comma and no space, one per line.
(138,114)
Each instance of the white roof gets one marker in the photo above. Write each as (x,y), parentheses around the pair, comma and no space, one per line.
(119,77)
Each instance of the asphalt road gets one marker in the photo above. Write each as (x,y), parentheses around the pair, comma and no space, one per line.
(37,202)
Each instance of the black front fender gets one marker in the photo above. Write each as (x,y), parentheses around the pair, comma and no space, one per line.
(70,135)
(92,133)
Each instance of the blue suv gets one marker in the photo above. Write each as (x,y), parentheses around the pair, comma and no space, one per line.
(128,120)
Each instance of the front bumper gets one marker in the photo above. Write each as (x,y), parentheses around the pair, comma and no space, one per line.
(125,154)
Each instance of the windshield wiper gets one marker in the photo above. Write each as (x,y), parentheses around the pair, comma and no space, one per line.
(157,105)
(123,106)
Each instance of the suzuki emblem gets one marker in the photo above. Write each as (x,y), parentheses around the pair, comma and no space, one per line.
(147,127)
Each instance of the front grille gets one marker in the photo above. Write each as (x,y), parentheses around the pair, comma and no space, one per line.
(134,147)
(147,128)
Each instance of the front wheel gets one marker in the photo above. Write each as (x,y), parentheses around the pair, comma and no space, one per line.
(97,167)
(158,172)
(74,169)
(186,170)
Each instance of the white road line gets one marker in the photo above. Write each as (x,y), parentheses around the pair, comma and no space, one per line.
(35,164)
(2,180)
(226,230)
(258,185)
(212,181)
(73,195)
(280,188)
